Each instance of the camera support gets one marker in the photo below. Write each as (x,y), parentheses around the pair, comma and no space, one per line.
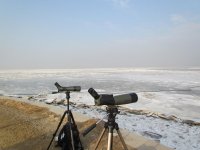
(71,122)
(110,125)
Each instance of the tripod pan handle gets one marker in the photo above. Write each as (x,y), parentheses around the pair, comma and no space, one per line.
(86,131)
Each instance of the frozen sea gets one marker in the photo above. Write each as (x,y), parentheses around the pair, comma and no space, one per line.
(166,91)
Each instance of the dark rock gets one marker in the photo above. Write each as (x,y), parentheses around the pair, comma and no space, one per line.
(83,106)
(191,122)
(152,135)
(30,97)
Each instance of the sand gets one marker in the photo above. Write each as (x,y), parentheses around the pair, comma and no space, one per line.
(26,126)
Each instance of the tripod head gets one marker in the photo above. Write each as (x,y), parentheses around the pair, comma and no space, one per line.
(112,112)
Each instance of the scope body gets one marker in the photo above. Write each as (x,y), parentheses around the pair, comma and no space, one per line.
(70,88)
(109,99)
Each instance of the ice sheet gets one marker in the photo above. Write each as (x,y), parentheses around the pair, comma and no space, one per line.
(166,91)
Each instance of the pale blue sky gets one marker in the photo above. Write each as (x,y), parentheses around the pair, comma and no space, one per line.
(38,34)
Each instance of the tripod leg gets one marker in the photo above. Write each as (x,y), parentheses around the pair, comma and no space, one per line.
(71,132)
(57,128)
(110,138)
(100,137)
(122,140)
(75,126)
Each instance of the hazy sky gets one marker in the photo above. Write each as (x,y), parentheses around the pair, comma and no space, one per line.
(99,33)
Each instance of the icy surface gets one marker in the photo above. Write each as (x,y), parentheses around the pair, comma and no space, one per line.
(169,91)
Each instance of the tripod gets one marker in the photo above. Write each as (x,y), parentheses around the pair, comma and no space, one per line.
(71,123)
(110,125)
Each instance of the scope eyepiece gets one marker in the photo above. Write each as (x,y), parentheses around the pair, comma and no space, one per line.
(93,93)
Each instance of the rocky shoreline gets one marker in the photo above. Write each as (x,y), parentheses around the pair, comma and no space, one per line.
(147,113)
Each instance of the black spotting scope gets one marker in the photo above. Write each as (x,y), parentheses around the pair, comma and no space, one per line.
(109,99)
(69,89)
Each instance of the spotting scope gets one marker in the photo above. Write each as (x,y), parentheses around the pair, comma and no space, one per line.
(109,99)
(69,89)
